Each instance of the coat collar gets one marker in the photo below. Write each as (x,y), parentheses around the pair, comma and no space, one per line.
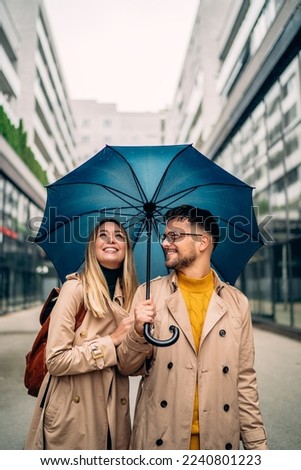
(176,305)
(118,295)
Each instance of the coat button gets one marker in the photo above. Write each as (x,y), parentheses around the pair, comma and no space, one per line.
(228,446)
(83,334)
(225,370)
(163,403)
(159,442)
(222,332)
(170,365)
(226,407)
(123,401)
(76,399)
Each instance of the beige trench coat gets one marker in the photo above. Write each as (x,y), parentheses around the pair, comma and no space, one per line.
(227,388)
(87,396)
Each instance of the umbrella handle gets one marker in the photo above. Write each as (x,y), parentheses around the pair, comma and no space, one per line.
(149,210)
(161,342)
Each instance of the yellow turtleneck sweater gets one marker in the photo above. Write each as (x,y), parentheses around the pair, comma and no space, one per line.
(197,294)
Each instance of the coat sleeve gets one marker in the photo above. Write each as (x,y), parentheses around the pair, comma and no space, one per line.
(62,356)
(134,350)
(253,433)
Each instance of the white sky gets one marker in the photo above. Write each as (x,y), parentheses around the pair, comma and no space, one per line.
(128,52)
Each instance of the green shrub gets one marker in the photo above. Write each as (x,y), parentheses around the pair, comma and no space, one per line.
(17,139)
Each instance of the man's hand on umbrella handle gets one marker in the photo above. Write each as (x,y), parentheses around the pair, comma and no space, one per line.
(121,330)
(144,312)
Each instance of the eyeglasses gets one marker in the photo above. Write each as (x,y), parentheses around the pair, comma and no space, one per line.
(118,237)
(173,237)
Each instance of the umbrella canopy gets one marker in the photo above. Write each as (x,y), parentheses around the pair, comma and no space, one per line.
(137,185)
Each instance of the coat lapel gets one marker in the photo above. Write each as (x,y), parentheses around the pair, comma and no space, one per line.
(177,307)
(216,309)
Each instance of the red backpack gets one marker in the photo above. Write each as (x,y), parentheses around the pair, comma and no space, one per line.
(35,369)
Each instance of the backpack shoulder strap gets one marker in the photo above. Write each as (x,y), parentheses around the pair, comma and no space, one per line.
(49,304)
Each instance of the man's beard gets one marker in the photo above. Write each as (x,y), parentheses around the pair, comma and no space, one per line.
(181,263)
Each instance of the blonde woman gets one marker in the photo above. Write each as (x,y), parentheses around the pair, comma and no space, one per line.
(85,404)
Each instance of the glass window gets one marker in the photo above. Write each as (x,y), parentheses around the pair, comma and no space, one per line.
(276,157)
(281,285)
(289,86)
(22,216)
(296,279)
(292,144)
(273,114)
(294,197)
(262,179)
(1,199)
(86,123)
(258,285)
(263,23)
(290,115)
(259,131)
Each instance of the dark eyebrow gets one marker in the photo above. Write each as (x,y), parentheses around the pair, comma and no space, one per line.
(115,231)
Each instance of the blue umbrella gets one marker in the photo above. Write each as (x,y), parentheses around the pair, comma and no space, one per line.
(137,185)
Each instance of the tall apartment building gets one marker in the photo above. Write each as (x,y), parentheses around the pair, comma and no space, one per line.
(32,90)
(101,124)
(197,102)
(248,120)
(43,102)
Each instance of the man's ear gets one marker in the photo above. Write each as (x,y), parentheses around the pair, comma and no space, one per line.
(205,242)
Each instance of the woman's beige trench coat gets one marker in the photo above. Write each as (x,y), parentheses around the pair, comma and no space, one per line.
(223,366)
(87,396)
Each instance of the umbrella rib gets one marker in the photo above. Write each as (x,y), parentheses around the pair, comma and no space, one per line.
(137,236)
(189,190)
(166,170)
(170,163)
(156,228)
(138,185)
(114,191)
(179,194)
(117,193)
(193,188)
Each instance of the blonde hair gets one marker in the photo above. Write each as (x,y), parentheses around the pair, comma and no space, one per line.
(96,292)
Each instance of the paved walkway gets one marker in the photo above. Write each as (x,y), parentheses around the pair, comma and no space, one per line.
(26,321)
(278,365)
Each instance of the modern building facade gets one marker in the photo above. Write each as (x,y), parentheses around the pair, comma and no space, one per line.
(101,124)
(42,102)
(23,264)
(38,141)
(255,133)
(197,102)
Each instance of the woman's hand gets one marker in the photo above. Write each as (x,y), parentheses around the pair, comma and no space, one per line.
(144,312)
(121,330)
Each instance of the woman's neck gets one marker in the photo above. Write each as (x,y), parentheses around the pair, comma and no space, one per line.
(111,276)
